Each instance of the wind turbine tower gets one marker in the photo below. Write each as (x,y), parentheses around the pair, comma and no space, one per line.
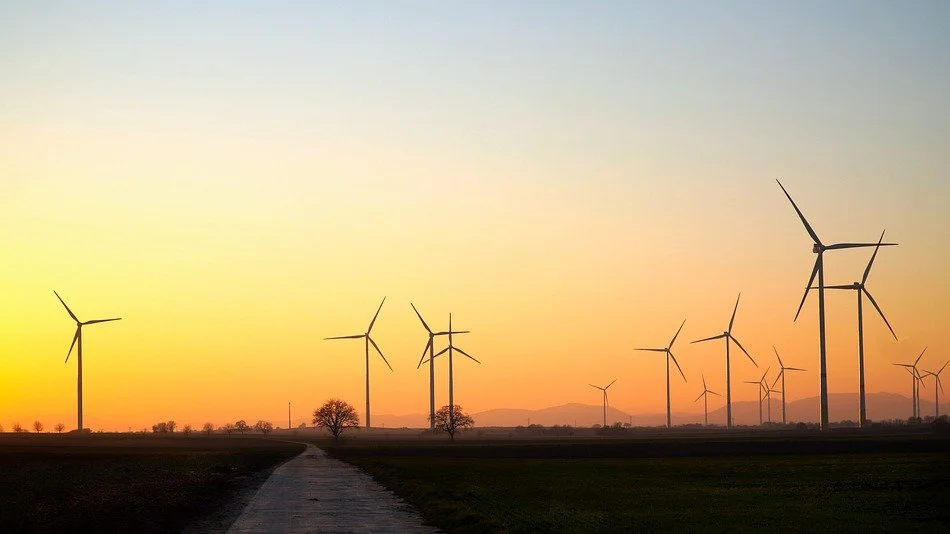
(77,340)
(668,350)
(367,341)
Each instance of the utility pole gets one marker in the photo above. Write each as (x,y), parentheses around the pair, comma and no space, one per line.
(288,416)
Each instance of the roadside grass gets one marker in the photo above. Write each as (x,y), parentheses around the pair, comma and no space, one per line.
(833,492)
(124,484)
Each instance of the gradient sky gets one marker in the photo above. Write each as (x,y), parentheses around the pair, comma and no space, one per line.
(570,179)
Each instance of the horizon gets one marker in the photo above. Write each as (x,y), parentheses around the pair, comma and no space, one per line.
(570,181)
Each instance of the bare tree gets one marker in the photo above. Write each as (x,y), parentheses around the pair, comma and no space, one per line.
(208,428)
(160,428)
(336,415)
(241,426)
(228,428)
(452,421)
(186,429)
(60,427)
(1,428)
(264,427)
(17,428)
(37,426)
(171,426)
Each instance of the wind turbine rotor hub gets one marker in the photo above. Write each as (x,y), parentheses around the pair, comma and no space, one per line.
(816,248)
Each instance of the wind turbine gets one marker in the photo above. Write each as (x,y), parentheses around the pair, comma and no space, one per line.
(604,389)
(781,376)
(915,376)
(727,335)
(937,383)
(669,354)
(761,386)
(861,290)
(450,349)
(430,348)
(77,340)
(367,341)
(818,270)
(705,396)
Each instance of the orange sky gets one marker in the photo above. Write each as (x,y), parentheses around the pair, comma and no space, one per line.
(235,210)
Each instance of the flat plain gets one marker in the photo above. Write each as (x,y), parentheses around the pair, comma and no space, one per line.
(739,481)
(126,482)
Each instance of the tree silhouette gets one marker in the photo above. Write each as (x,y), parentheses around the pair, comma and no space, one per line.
(228,428)
(208,428)
(186,429)
(241,426)
(264,427)
(451,421)
(336,415)
(17,428)
(59,427)
(37,427)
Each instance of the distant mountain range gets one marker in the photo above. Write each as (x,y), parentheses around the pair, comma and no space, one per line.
(842,406)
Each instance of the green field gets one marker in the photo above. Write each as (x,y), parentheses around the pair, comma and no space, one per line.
(126,483)
(807,492)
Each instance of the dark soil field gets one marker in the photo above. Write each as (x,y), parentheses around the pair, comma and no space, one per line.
(742,482)
(128,483)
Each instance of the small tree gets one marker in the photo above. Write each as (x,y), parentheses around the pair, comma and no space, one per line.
(160,428)
(264,427)
(228,428)
(1,428)
(37,427)
(186,429)
(208,428)
(336,415)
(60,427)
(17,428)
(451,423)
(170,425)
(241,426)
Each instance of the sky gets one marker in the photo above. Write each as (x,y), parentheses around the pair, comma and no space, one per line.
(239,180)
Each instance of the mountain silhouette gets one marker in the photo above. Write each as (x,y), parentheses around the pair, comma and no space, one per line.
(842,407)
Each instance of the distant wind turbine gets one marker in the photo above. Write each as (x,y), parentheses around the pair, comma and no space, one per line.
(818,270)
(367,341)
(761,386)
(861,290)
(705,396)
(937,384)
(430,348)
(915,379)
(727,335)
(451,348)
(669,354)
(77,340)
(781,376)
(604,390)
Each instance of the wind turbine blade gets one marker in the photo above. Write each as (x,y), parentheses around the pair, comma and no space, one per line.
(780,364)
(778,377)
(447,332)
(919,357)
(370,329)
(881,313)
(653,350)
(419,315)
(424,351)
(610,384)
(380,352)
(470,357)
(836,287)
(700,396)
(753,382)
(714,393)
(441,352)
(939,382)
(73,344)
(677,334)
(720,336)
(678,366)
(839,246)
(704,382)
(346,337)
(814,272)
(867,270)
(942,368)
(794,369)
(736,341)
(902,365)
(734,310)
(808,227)
(94,321)
(767,369)
(70,312)
(598,387)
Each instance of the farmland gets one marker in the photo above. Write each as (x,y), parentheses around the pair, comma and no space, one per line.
(130,483)
(743,482)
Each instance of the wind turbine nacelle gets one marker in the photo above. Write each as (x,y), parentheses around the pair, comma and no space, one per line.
(816,248)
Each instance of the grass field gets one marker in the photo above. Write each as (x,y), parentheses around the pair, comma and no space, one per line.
(125,483)
(622,487)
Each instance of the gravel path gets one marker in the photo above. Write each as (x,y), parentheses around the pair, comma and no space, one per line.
(313,493)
